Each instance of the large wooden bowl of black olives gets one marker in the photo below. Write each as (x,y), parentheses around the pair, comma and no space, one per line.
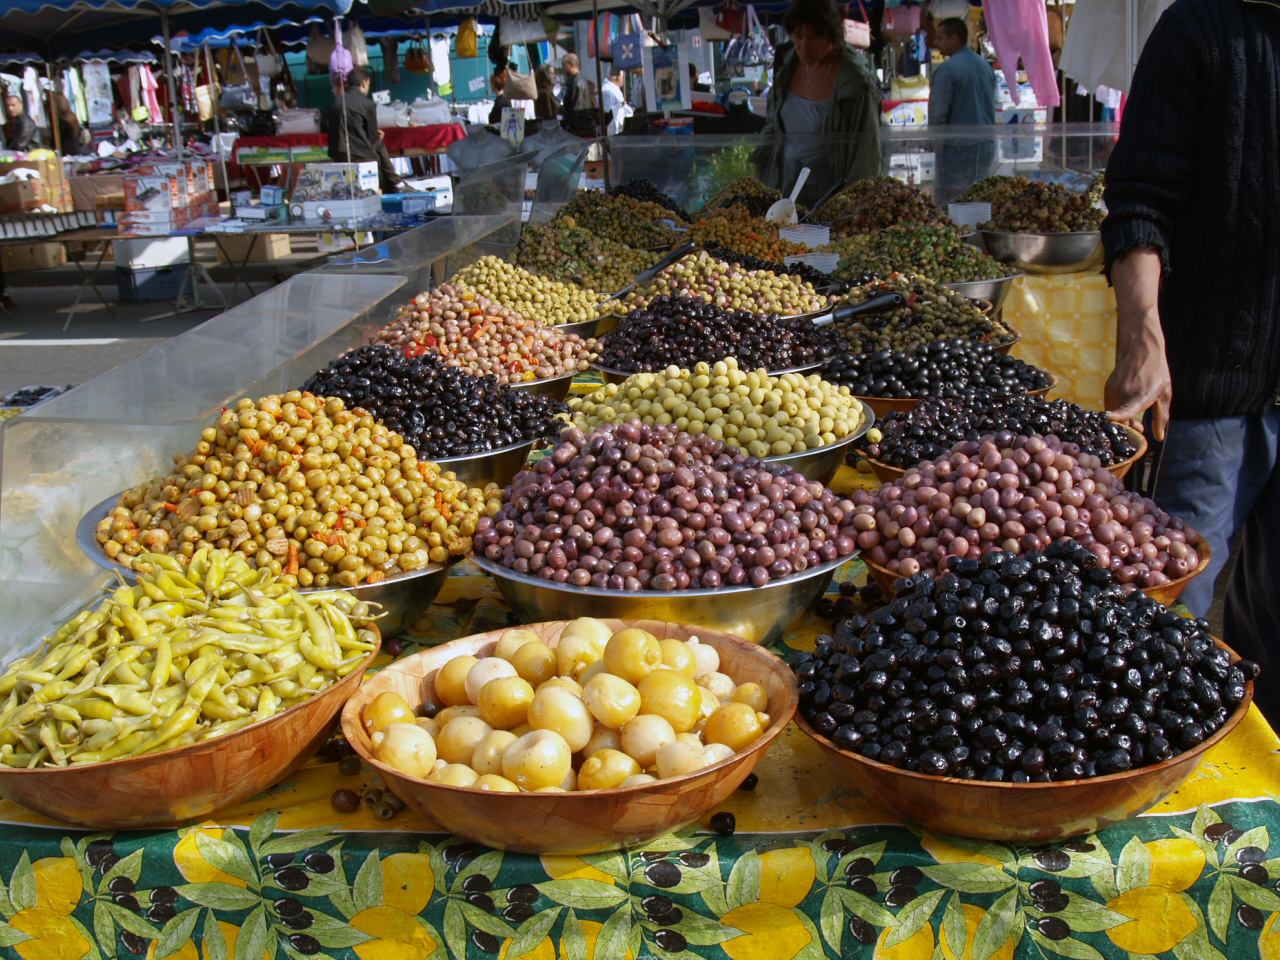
(1021,699)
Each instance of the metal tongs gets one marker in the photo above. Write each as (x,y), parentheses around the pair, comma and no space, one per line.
(877,304)
(646,275)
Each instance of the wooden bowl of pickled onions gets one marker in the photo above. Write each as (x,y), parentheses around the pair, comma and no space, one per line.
(494,738)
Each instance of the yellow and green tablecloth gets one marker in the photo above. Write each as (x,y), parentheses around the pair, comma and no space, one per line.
(813,871)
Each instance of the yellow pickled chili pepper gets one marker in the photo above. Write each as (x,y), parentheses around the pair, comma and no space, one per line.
(189,654)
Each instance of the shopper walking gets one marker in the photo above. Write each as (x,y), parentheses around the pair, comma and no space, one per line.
(545,106)
(354,137)
(824,105)
(962,92)
(1192,243)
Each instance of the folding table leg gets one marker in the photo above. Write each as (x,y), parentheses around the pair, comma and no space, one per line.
(88,281)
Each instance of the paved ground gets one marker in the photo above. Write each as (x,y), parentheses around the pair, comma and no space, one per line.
(34,349)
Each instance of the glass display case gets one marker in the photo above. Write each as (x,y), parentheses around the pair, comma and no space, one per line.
(124,426)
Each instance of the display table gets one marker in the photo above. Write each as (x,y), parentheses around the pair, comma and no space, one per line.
(1068,325)
(400,141)
(814,871)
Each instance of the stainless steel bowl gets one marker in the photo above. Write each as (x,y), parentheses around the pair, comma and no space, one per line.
(613,375)
(491,466)
(557,387)
(758,614)
(1046,252)
(823,463)
(992,291)
(402,597)
(583,328)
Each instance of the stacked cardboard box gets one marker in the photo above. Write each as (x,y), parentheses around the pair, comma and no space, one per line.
(49,188)
(162,198)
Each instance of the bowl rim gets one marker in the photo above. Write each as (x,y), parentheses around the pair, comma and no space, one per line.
(495,569)
(1201,542)
(1136,435)
(87,541)
(1200,748)
(952,284)
(527,384)
(778,722)
(480,454)
(116,765)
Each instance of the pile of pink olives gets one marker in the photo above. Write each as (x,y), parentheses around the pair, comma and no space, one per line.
(637,507)
(1018,494)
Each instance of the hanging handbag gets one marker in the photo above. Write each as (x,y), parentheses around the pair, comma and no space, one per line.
(521,31)
(900,21)
(239,97)
(857,33)
(708,27)
(520,86)
(600,37)
(267,58)
(319,50)
(627,51)
(466,45)
(416,58)
(759,49)
(207,94)
(341,62)
(731,18)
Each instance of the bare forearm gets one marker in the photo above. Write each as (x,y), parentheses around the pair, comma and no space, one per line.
(1136,276)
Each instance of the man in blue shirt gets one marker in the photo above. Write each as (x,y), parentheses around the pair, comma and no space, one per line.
(962,92)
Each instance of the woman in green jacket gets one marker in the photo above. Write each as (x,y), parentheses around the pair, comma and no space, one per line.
(824,105)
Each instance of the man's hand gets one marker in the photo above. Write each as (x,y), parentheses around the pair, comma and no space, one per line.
(382,135)
(1140,379)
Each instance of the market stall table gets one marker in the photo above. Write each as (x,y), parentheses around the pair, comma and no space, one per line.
(401,141)
(814,870)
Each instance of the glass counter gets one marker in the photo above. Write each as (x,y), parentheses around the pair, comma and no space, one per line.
(124,426)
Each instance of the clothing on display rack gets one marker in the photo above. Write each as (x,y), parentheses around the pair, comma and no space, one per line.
(34,97)
(440,72)
(1020,28)
(1095,48)
(97,92)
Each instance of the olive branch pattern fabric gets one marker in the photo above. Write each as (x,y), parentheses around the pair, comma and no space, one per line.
(814,872)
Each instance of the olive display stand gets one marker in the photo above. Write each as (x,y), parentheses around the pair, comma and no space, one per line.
(814,870)
(123,426)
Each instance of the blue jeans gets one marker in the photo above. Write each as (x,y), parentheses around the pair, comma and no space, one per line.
(1221,477)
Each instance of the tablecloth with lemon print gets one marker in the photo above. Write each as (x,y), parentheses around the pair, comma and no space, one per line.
(814,871)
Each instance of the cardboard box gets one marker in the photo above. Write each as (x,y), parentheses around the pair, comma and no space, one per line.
(336,181)
(259,247)
(130,227)
(36,256)
(149,253)
(155,194)
(50,170)
(309,154)
(342,209)
(159,283)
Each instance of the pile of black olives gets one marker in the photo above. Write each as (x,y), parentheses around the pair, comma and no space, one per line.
(442,411)
(684,331)
(937,423)
(1024,668)
(953,369)
(636,507)
(641,189)
(748,262)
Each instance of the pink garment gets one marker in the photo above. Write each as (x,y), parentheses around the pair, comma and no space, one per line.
(1021,28)
(148,82)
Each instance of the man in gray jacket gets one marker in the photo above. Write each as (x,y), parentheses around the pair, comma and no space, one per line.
(962,92)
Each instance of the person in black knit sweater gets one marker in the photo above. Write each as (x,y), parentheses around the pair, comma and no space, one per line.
(1192,244)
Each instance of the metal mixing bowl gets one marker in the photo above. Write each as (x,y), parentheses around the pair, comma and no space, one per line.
(992,291)
(614,375)
(758,614)
(402,597)
(1046,252)
(489,466)
(583,328)
(823,463)
(555,387)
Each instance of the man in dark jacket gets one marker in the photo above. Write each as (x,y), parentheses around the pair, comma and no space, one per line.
(1192,243)
(354,137)
(21,132)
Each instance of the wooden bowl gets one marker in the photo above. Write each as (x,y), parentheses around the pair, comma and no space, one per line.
(587,821)
(887,474)
(1004,348)
(1166,593)
(191,782)
(1022,812)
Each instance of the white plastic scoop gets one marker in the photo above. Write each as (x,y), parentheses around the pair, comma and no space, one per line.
(783,212)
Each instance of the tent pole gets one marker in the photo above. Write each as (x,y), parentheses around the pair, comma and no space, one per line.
(604,130)
(217,122)
(53,111)
(173,91)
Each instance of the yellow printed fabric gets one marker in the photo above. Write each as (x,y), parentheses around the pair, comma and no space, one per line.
(1068,327)
(813,871)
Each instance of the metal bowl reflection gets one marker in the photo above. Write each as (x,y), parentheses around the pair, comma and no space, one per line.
(993,291)
(823,463)
(554,387)
(583,328)
(1046,252)
(488,466)
(758,614)
(402,597)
